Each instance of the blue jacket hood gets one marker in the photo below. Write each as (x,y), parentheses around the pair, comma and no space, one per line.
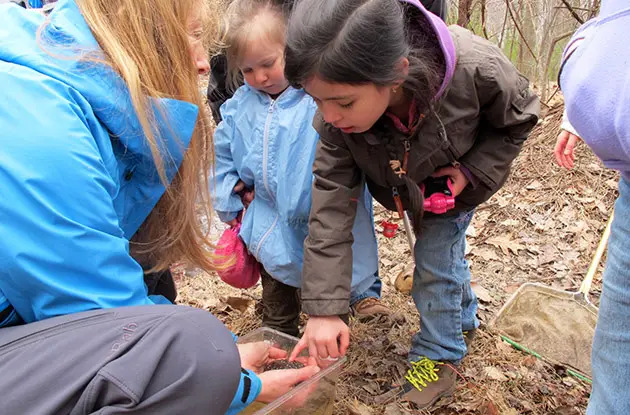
(76,177)
(57,53)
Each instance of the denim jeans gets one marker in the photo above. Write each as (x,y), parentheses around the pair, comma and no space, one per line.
(611,346)
(441,289)
(373,291)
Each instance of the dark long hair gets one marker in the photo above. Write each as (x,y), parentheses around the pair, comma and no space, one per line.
(362,41)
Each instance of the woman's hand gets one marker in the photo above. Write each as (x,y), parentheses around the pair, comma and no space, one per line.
(327,337)
(563,150)
(254,356)
(459,179)
(276,383)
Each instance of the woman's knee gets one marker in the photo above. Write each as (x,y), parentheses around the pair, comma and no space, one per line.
(207,356)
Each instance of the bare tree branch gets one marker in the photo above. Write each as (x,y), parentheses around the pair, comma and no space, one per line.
(507,3)
(464,11)
(550,55)
(594,8)
(483,18)
(572,11)
(503,29)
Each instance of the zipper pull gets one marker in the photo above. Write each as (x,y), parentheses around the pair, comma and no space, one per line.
(407,145)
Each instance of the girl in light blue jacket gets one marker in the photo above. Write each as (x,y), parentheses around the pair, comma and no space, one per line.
(265,147)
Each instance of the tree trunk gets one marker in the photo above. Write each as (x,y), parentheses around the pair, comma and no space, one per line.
(594,8)
(464,11)
(483,18)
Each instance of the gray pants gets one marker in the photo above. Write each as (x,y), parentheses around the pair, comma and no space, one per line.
(161,359)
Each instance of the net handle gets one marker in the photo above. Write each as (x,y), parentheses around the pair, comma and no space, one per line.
(588,280)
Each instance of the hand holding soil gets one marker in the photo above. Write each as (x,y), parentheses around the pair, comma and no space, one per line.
(276,383)
(255,356)
(283,364)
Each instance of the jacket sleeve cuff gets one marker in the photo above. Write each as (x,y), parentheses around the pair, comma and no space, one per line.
(8,316)
(159,299)
(566,124)
(326,307)
(248,390)
(226,216)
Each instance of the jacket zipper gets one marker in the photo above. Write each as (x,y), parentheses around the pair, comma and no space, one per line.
(265,178)
(444,145)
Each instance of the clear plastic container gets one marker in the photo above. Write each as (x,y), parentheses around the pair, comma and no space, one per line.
(315,396)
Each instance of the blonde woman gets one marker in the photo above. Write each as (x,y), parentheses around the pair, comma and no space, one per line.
(104,140)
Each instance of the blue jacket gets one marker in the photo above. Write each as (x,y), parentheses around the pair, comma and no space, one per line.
(76,178)
(270,145)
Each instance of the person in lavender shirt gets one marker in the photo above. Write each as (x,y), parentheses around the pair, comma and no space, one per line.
(595,81)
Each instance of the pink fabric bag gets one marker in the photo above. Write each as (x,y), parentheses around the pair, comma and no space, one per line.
(245,272)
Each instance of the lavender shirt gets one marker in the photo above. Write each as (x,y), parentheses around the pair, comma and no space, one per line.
(595,81)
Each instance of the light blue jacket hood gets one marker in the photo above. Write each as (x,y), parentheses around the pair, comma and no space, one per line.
(76,177)
(270,145)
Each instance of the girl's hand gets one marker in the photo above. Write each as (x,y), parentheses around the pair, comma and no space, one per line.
(247,195)
(327,337)
(238,219)
(459,179)
(254,356)
(563,151)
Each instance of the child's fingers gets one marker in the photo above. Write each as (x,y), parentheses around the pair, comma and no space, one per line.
(344,341)
(558,150)
(559,159)
(240,185)
(325,349)
(312,348)
(569,153)
(311,361)
(301,345)
(571,142)
(305,360)
(247,198)
(277,353)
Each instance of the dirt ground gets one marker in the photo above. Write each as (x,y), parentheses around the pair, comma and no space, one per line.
(543,226)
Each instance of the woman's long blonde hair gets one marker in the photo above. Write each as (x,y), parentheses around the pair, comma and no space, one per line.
(146,43)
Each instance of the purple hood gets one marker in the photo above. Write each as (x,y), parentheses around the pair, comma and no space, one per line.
(446,43)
